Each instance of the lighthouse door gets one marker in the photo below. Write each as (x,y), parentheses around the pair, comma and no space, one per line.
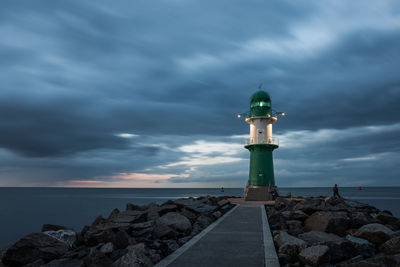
(261,138)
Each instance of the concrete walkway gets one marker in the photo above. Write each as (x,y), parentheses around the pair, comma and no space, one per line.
(240,238)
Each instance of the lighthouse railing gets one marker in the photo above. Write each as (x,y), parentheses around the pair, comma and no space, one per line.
(268,140)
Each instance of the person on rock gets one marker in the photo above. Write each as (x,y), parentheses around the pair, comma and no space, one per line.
(336,191)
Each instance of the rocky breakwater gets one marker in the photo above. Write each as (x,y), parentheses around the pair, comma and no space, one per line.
(138,236)
(327,231)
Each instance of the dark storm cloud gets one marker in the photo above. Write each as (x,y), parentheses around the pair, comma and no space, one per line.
(74,75)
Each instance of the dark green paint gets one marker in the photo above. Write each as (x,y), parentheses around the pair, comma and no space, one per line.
(261,165)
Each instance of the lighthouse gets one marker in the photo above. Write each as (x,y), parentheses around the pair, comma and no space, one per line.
(261,144)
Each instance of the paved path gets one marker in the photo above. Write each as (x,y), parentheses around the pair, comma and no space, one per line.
(241,238)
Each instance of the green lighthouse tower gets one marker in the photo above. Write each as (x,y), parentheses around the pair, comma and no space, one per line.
(261,144)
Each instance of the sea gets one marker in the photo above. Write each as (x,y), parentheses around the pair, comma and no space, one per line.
(25,210)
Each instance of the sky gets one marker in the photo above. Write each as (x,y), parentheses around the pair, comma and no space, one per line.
(145,94)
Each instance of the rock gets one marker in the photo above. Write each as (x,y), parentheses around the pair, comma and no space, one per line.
(286,214)
(141,247)
(374,232)
(364,247)
(283,259)
(114,213)
(318,237)
(203,221)
(350,261)
(33,247)
(225,208)
(143,225)
(392,246)
(154,256)
(283,238)
(327,221)
(143,233)
(360,219)
(97,259)
(133,258)
(355,204)
(289,245)
(223,202)
(294,227)
(217,214)
(97,221)
(188,214)
(171,244)
(341,249)
(107,248)
(129,216)
(164,209)
(204,208)
(176,221)
(92,238)
(315,255)
(53,227)
(378,260)
(164,231)
(310,205)
(152,213)
(130,206)
(298,215)
(66,236)
(65,263)
(283,203)
(121,240)
(385,217)
(78,253)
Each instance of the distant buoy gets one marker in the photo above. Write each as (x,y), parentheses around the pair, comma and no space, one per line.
(360,188)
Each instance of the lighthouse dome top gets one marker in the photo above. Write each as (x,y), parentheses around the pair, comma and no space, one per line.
(260,104)
(259,96)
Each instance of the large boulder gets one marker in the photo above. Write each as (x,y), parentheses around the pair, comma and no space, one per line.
(164,231)
(33,247)
(310,205)
(94,237)
(340,250)
(298,215)
(176,221)
(289,245)
(315,255)
(129,216)
(282,203)
(295,227)
(392,246)
(364,247)
(375,233)
(223,202)
(204,208)
(327,221)
(133,258)
(66,236)
(385,217)
(318,237)
(360,219)
(203,221)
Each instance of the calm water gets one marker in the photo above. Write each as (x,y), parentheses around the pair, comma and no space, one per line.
(25,210)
